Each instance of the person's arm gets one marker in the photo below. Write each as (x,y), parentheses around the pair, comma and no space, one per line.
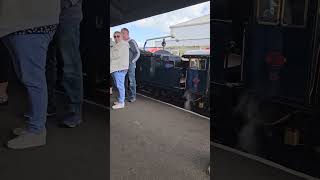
(74,2)
(115,53)
(135,50)
(65,4)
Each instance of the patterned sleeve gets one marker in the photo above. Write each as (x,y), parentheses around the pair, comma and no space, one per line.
(38,30)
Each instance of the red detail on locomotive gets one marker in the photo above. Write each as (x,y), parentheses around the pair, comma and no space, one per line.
(275,59)
(195,81)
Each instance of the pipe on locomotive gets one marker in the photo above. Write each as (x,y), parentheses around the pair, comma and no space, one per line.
(163,37)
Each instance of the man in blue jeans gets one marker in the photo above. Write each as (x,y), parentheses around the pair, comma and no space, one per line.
(134,54)
(65,44)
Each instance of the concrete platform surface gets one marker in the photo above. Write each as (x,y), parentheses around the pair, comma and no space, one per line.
(153,141)
(70,154)
(230,166)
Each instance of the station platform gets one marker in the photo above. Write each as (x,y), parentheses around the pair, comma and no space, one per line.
(232,165)
(70,154)
(151,140)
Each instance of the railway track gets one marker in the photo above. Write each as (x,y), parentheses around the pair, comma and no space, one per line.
(174,103)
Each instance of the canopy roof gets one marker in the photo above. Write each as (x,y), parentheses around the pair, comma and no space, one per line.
(124,11)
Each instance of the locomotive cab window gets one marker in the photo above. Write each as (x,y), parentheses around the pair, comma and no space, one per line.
(169,64)
(164,58)
(198,64)
(202,64)
(181,64)
(268,11)
(294,13)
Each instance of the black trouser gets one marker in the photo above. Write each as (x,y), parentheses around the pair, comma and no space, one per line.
(4,63)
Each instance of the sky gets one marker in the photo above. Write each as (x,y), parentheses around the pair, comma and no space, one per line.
(158,25)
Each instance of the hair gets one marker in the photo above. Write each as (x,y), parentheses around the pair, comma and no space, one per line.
(125,29)
(117,32)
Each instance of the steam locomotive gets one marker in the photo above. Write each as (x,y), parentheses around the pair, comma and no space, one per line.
(184,81)
(268,104)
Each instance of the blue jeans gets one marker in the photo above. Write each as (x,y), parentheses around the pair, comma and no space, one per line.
(131,77)
(119,79)
(66,45)
(29,53)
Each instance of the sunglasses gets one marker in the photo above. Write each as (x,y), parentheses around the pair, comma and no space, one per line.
(116,36)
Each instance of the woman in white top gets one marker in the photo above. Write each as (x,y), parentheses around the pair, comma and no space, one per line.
(119,64)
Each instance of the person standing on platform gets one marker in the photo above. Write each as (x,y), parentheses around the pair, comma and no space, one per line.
(134,54)
(119,64)
(66,44)
(26,30)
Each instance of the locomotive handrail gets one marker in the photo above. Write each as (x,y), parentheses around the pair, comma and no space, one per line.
(293,102)
(163,37)
(228,84)
(277,99)
(314,61)
(222,21)
(283,119)
(243,53)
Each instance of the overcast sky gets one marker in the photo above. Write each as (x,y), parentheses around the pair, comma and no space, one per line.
(157,26)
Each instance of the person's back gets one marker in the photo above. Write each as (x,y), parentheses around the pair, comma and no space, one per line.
(17,15)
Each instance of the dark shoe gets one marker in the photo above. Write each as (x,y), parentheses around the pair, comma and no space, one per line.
(51,111)
(4,101)
(72,120)
(28,140)
(64,125)
(132,100)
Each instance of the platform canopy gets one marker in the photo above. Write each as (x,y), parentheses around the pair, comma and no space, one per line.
(124,11)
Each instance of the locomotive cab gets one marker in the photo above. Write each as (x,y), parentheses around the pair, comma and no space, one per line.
(272,111)
(198,79)
(198,71)
(278,48)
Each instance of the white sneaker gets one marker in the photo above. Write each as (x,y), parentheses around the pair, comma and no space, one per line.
(118,106)
(19,131)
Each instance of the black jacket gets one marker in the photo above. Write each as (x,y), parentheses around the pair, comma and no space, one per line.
(71,10)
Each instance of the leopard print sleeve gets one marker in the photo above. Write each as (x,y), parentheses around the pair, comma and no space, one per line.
(38,30)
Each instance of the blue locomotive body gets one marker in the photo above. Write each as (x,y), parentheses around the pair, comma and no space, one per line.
(177,78)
